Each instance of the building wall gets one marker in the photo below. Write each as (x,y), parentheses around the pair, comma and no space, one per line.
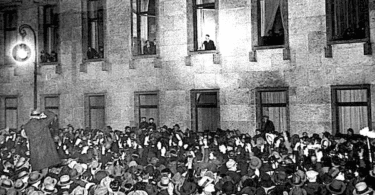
(176,71)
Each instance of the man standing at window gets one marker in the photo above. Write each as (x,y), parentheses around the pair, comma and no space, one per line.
(208,44)
(267,125)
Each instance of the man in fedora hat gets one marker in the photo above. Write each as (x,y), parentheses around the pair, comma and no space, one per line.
(43,153)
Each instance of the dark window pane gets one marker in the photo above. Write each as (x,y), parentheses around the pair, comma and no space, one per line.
(149,99)
(10,20)
(208,119)
(149,113)
(52,102)
(97,118)
(11,103)
(97,101)
(271,23)
(198,2)
(144,27)
(349,19)
(273,97)
(206,98)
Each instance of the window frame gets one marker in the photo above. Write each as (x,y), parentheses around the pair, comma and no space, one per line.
(138,106)
(330,22)
(86,30)
(138,26)
(88,108)
(335,104)
(260,105)
(43,102)
(194,106)
(43,28)
(192,30)
(256,29)
(4,98)
(7,56)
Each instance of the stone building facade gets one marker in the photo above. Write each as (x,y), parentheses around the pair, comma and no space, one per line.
(307,69)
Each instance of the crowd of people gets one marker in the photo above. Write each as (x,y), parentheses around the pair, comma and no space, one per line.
(151,160)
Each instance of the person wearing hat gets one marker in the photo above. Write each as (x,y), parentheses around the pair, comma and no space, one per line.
(297,183)
(361,188)
(336,187)
(313,187)
(20,186)
(35,178)
(165,186)
(43,153)
(232,170)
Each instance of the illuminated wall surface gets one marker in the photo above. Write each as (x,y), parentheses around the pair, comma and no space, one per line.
(236,68)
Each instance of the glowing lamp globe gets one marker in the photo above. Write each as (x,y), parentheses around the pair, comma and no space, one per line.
(21,52)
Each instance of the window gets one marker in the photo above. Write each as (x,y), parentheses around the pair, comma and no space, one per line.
(96,111)
(52,104)
(144,27)
(10,32)
(9,112)
(351,108)
(273,102)
(347,19)
(146,105)
(205,110)
(270,21)
(205,20)
(93,29)
(50,34)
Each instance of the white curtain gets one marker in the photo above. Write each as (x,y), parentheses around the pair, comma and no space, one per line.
(354,117)
(278,115)
(268,14)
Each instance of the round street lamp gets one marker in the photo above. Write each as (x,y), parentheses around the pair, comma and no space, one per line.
(22,52)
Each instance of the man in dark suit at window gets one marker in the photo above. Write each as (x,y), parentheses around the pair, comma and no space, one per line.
(208,44)
(267,125)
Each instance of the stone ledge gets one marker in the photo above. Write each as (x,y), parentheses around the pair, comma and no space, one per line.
(348,41)
(144,56)
(106,66)
(198,52)
(269,47)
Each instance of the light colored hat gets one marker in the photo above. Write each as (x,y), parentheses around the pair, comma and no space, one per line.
(205,181)
(164,182)
(20,185)
(64,180)
(362,188)
(132,164)
(231,163)
(49,188)
(311,175)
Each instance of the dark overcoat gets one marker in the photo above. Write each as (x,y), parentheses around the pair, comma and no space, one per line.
(43,151)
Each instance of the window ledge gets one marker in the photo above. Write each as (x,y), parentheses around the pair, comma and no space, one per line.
(48,63)
(269,47)
(145,56)
(348,41)
(203,52)
(94,60)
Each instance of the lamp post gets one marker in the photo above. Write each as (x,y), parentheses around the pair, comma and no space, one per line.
(22,53)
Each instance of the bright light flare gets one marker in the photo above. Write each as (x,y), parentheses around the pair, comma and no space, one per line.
(21,52)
